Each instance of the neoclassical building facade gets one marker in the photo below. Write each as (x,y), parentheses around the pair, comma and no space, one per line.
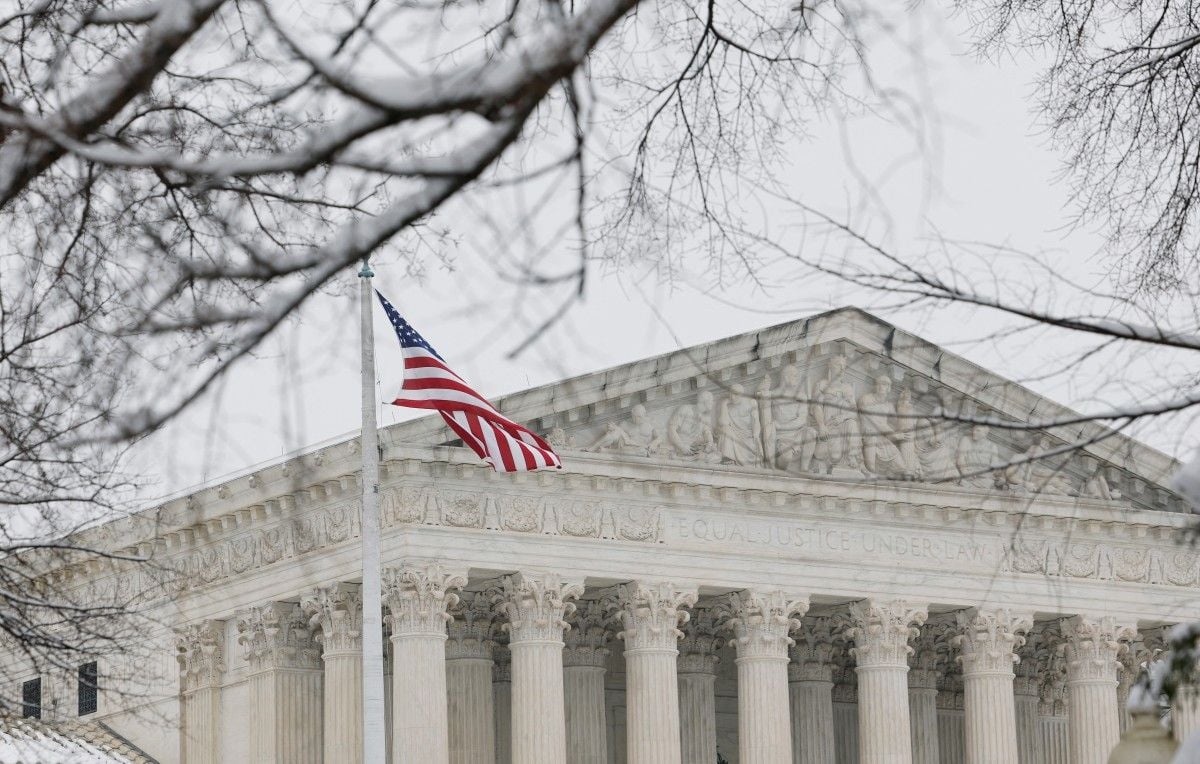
(763,550)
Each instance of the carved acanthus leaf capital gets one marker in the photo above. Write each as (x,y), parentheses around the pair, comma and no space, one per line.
(587,638)
(701,640)
(1092,646)
(418,599)
(651,614)
(536,606)
(1149,645)
(469,632)
(337,610)
(988,639)
(277,635)
(881,632)
(761,622)
(815,648)
(200,651)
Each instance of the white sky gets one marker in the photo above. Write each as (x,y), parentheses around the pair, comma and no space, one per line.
(990,176)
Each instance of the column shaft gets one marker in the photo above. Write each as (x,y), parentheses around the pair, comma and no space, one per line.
(1185,713)
(1026,708)
(587,735)
(1093,645)
(471,716)
(200,731)
(922,708)
(651,616)
(536,607)
(988,643)
(812,721)
(200,651)
(881,632)
(502,702)
(698,717)
(418,599)
(337,608)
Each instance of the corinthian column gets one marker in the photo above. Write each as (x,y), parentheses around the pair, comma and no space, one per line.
(1092,648)
(200,651)
(810,691)
(1026,694)
(285,684)
(471,716)
(418,599)
(761,622)
(536,606)
(697,687)
(651,616)
(881,631)
(337,609)
(502,701)
(584,661)
(1143,651)
(988,641)
(924,674)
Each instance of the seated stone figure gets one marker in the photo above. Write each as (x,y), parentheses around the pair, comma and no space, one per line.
(789,439)
(637,435)
(690,435)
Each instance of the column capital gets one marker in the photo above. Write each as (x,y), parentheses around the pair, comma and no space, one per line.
(536,606)
(989,638)
(930,656)
(200,652)
(1051,669)
(1143,650)
(277,635)
(469,630)
(1092,645)
(337,610)
(587,639)
(700,642)
(651,614)
(761,621)
(1027,682)
(881,631)
(418,598)
(814,650)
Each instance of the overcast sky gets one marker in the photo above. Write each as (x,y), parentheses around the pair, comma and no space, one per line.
(986,174)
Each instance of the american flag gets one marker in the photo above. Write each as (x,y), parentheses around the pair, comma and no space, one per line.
(430,384)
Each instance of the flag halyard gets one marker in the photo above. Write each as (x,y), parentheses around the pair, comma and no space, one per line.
(430,384)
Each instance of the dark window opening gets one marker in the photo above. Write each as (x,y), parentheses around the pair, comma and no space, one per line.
(31,698)
(88,689)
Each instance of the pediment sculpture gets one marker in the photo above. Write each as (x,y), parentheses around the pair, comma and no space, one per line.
(840,415)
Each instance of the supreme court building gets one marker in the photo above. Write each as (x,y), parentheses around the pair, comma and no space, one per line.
(762,550)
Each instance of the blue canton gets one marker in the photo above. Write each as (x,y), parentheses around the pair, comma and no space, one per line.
(409,338)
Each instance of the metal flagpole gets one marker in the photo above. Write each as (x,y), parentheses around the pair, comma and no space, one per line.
(374,745)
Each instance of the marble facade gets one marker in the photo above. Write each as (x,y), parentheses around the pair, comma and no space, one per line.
(769,549)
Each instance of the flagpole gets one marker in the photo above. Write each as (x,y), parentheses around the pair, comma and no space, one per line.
(374,745)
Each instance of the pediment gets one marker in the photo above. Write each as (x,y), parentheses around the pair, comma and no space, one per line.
(845,396)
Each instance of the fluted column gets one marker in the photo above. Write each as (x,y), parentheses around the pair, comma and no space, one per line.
(536,606)
(988,641)
(418,598)
(337,610)
(761,622)
(925,664)
(1092,648)
(810,691)
(502,701)
(471,717)
(881,631)
(584,660)
(285,684)
(697,687)
(651,616)
(1026,694)
(1143,651)
(200,651)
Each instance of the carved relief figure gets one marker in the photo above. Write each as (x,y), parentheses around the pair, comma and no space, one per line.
(933,452)
(880,438)
(739,429)
(1097,487)
(835,415)
(1039,475)
(977,459)
(636,436)
(690,436)
(789,441)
